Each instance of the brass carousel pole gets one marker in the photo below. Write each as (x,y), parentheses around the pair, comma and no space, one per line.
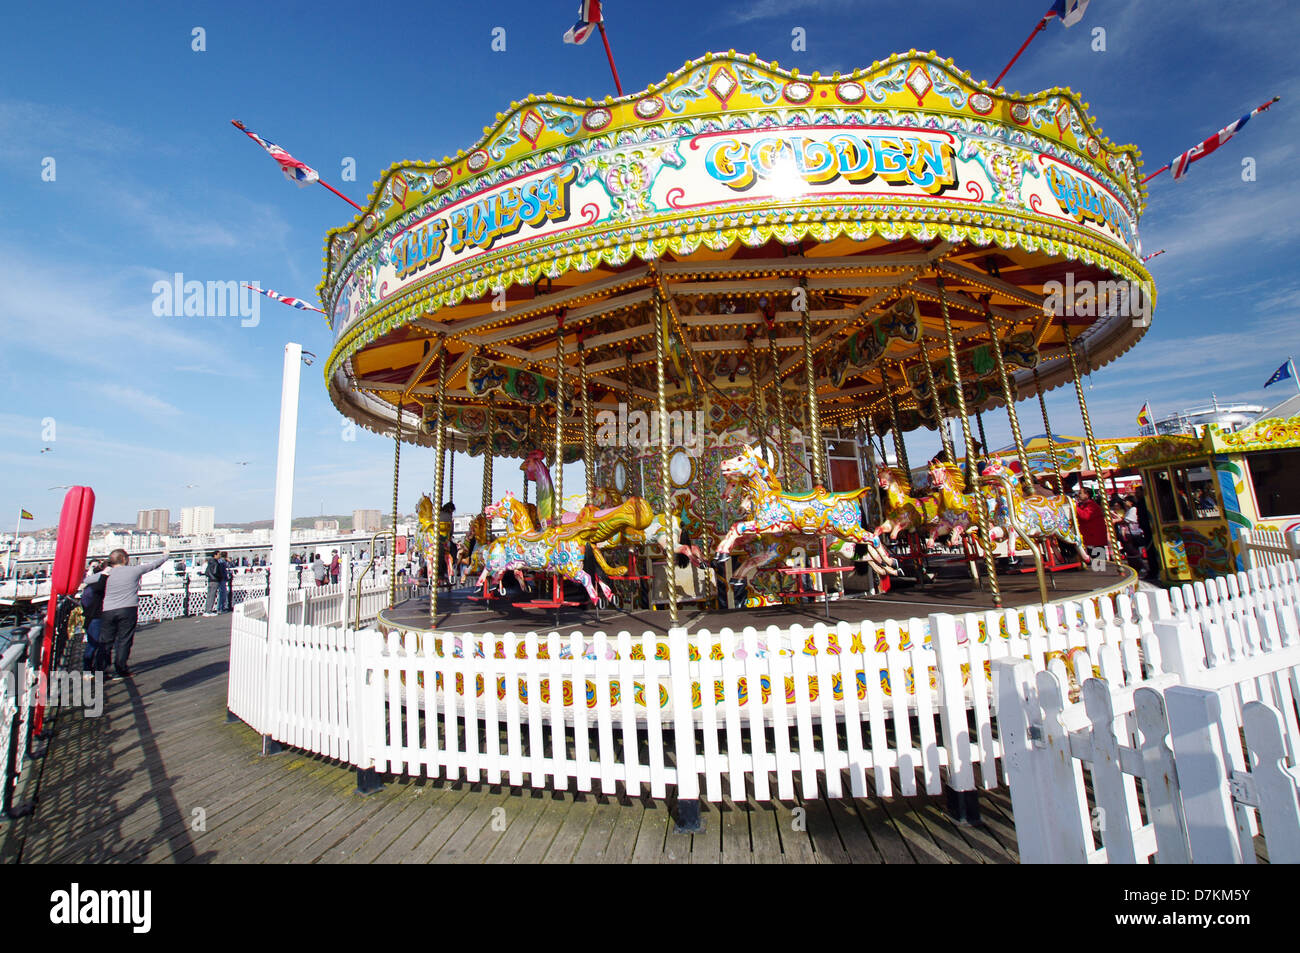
(487,455)
(814,413)
(900,448)
(437,483)
(981,513)
(1092,444)
(938,405)
(588,430)
(781,423)
(1051,439)
(1025,476)
(397,459)
(660,357)
(756,397)
(557,515)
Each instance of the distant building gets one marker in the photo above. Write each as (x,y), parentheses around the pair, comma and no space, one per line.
(153,521)
(365,521)
(1193,421)
(197,520)
(329,526)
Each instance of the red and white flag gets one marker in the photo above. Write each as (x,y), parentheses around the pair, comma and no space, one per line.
(295,170)
(285,299)
(588,18)
(1182,163)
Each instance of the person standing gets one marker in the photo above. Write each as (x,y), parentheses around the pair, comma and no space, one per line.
(228,583)
(212,572)
(92,607)
(335,568)
(1092,521)
(223,573)
(318,570)
(121,608)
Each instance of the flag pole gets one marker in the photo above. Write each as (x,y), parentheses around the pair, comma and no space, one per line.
(1295,380)
(612,68)
(344,197)
(1163,168)
(1042,24)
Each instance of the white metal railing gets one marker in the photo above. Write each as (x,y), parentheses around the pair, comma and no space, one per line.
(19,666)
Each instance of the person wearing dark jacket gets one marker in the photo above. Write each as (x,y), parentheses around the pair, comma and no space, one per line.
(121,607)
(212,573)
(92,607)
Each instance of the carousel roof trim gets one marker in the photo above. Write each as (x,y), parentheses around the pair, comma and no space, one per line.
(539,124)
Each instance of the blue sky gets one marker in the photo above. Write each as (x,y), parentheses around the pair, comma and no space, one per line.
(150,180)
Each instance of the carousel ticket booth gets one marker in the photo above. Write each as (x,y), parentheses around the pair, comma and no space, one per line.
(1203,492)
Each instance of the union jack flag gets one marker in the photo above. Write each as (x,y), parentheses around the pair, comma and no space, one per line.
(295,170)
(1184,162)
(1069,12)
(588,17)
(285,299)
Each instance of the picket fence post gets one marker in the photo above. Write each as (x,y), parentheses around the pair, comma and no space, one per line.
(1041,835)
(689,820)
(963,799)
(366,702)
(1274,783)
(1203,780)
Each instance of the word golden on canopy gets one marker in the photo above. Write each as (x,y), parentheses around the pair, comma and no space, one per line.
(729,200)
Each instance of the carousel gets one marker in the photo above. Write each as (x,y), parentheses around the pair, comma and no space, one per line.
(723,295)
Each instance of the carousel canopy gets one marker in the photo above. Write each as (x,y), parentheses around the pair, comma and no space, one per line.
(726,202)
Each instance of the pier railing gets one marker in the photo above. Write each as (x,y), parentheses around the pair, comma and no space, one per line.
(19,668)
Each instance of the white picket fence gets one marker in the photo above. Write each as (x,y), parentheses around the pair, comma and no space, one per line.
(767,711)
(269,685)
(1267,547)
(1230,670)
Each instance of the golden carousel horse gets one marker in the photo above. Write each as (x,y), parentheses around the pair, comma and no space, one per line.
(778,517)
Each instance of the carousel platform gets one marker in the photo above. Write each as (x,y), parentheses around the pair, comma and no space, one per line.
(458,613)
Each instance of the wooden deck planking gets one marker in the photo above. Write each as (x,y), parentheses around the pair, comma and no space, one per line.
(124,787)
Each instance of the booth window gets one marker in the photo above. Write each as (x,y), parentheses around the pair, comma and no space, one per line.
(1194,486)
(1277,493)
(1164,491)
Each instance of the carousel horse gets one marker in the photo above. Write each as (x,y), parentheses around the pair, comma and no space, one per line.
(600,502)
(904,513)
(955,507)
(425,534)
(779,517)
(599,528)
(470,556)
(543,550)
(1031,516)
